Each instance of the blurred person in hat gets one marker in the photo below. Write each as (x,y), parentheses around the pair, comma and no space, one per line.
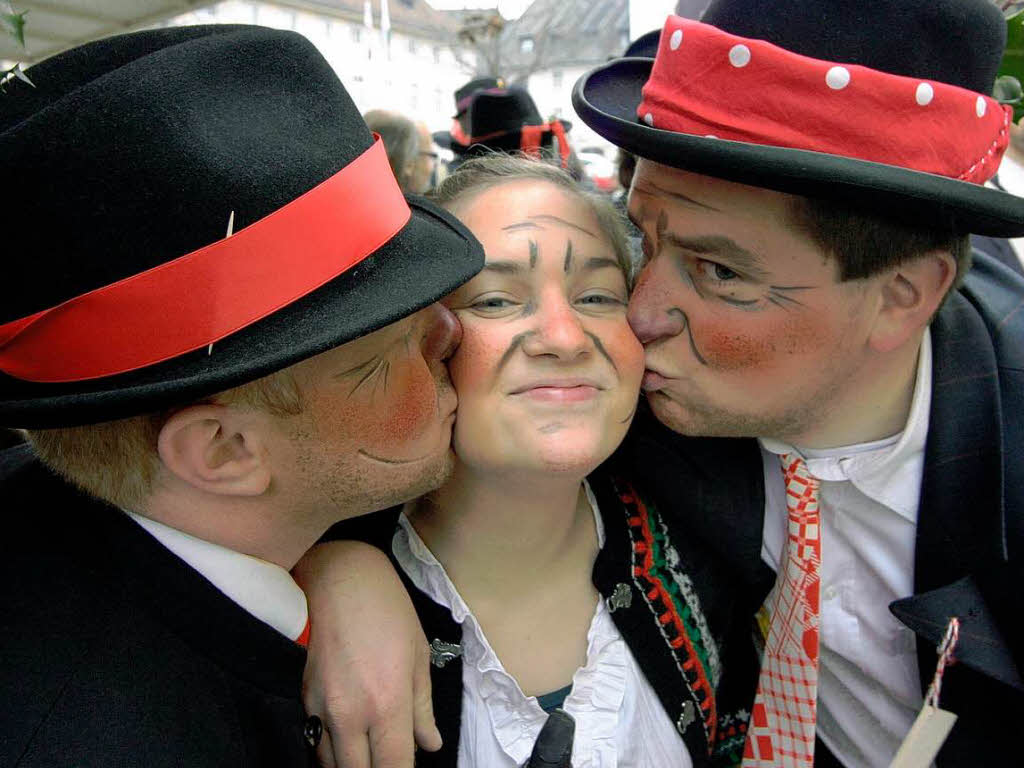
(806,283)
(221,340)
(808,176)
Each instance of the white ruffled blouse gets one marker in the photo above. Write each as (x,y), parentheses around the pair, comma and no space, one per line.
(619,721)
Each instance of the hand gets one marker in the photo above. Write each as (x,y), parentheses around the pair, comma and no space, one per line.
(368,672)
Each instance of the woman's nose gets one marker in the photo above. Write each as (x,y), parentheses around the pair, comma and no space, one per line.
(558,331)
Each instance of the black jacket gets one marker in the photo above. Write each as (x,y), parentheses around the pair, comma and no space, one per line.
(969,557)
(115,652)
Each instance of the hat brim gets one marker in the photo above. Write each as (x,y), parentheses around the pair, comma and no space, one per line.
(427,259)
(607,97)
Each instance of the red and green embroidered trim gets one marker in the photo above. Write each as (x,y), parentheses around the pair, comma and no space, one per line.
(674,615)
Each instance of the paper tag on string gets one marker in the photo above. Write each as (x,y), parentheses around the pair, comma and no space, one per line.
(932,725)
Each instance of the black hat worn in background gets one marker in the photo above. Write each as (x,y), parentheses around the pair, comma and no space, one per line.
(495,120)
(444,138)
(959,42)
(133,151)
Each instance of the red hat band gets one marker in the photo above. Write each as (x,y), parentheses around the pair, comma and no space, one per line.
(204,296)
(706,82)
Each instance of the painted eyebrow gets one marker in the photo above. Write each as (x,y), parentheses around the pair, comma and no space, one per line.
(531,223)
(504,267)
(650,188)
(721,246)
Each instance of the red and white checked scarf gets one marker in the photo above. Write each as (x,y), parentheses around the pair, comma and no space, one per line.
(781,731)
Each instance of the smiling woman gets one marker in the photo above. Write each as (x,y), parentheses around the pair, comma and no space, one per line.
(530,545)
(544,574)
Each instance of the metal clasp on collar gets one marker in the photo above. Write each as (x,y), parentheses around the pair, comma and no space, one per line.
(622,597)
(441,652)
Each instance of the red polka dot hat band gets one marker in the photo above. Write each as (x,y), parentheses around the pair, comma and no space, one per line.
(784,99)
(883,110)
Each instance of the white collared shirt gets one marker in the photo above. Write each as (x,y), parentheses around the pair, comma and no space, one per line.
(869,691)
(264,589)
(1011,179)
(620,722)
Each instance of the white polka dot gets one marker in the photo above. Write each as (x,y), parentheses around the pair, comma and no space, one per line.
(980,106)
(676,39)
(739,55)
(710,136)
(649,119)
(838,78)
(925,94)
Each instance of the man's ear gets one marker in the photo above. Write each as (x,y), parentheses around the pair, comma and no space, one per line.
(217,449)
(910,294)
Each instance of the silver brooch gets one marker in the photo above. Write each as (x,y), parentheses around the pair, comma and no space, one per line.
(686,717)
(622,597)
(441,652)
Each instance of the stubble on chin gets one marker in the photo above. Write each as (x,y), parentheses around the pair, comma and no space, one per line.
(702,420)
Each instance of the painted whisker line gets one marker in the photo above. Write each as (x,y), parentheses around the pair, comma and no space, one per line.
(568,257)
(512,347)
(689,334)
(533,253)
(601,348)
(367,375)
(778,298)
(791,287)
(630,415)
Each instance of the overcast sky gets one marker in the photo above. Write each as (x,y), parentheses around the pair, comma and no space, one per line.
(510,9)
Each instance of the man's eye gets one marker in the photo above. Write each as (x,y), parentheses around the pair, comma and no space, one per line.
(723,273)
(711,270)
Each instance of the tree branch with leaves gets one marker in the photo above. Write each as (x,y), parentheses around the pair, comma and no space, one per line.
(13,23)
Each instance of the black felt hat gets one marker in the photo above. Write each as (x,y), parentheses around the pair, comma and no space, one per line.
(930,44)
(462,98)
(129,157)
(495,120)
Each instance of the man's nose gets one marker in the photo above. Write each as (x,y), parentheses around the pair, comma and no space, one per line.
(444,333)
(650,311)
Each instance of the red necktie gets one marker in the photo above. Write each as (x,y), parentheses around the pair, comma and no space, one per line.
(781,731)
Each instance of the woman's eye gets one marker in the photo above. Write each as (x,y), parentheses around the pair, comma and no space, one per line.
(491,303)
(599,299)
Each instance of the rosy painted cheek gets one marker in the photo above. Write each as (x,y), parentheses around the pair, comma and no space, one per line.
(475,361)
(733,349)
(408,412)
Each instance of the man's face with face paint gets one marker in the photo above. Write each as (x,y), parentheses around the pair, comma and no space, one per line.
(377,422)
(548,370)
(746,328)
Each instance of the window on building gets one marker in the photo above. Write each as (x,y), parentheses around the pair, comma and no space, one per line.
(412,45)
(556,78)
(414,96)
(357,34)
(526,44)
(437,54)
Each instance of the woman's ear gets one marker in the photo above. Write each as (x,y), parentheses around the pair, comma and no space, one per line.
(910,295)
(217,449)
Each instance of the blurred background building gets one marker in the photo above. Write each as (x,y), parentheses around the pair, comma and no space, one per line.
(403,55)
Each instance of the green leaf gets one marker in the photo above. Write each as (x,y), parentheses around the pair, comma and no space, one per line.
(1012,64)
(14,24)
